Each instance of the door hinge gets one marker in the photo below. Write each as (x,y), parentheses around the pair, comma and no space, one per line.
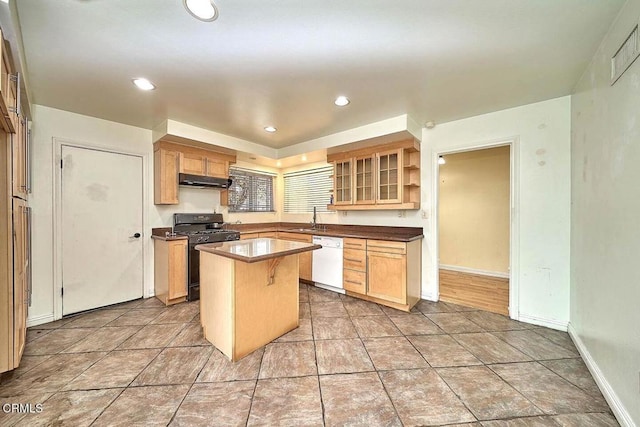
(61,292)
(60,163)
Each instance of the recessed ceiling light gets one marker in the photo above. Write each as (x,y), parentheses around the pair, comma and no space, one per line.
(304,157)
(143,84)
(278,163)
(270,129)
(203,10)
(341,101)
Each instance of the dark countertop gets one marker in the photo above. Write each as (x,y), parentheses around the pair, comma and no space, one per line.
(397,234)
(255,250)
(161,234)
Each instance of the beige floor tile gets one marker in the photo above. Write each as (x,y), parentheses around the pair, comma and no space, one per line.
(541,421)
(535,345)
(494,322)
(71,408)
(301,333)
(53,325)
(454,323)
(390,311)
(125,305)
(286,402)
(558,337)
(136,317)
(375,326)
(143,406)
(328,328)
(152,336)
(57,341)
(9,417)
(421,397)
(576,372)
(51,375)
(490,349)
(152,302)
(34,334)
(415,324)
(393,353)
(356,308)
(356,400)
(103,339)
(219,368)
(26,364)
(485,394)
(547,390)
(94,319)
(322,295)
(179,365)
(428,307)
(178,313)
(328,309)
(116,369)
(442,350)
(191,335)
(586,420)
(342,356)
(303,294)
(224,404)
(460,308)
(288,359)
(304,311)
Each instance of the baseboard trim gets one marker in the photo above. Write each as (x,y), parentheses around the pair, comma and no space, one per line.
(39,320)
(620,412)
(547,323)
(474,271)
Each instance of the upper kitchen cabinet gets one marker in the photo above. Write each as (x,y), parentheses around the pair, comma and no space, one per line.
(171,159)
(21,176)
(9,83)
(379,177)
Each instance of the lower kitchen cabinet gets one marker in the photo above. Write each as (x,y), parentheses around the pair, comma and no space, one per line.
(170,270)
(304,259)
(390,276)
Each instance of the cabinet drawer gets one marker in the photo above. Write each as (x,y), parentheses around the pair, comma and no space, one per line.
(269,234)
(354,259)
(387,246)
(355,281)
(298,237)
(355,244)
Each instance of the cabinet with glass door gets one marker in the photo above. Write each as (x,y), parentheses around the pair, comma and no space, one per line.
(389,178)
(342,182)
(365,190)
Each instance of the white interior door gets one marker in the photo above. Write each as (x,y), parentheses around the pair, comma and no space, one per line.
(102,259)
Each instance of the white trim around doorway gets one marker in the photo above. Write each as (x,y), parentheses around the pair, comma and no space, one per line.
(57,145)
(514,232)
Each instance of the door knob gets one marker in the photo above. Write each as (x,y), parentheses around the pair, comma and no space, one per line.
(136,236)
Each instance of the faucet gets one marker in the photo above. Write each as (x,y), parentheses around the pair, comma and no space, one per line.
(313,223)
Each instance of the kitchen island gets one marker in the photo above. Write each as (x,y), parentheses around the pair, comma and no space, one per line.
(249,292)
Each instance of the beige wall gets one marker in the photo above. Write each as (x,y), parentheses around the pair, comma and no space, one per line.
(605,237)
(473,213)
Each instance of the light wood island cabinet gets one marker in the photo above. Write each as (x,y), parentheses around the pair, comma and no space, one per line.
(170,269)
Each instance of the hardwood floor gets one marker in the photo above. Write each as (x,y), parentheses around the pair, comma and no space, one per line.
(474,290)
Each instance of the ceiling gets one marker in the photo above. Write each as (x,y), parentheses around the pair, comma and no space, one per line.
(282,63)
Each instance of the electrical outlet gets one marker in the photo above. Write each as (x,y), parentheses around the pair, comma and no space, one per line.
(425,214)
(401,214)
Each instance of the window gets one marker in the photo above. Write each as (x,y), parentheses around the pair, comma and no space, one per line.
(251,191)
(305,189)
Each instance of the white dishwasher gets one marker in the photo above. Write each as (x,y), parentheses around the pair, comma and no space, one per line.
(327,263)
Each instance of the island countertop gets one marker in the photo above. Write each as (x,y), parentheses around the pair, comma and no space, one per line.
(255,250)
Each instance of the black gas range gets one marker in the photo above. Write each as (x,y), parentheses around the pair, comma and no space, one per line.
(200,228)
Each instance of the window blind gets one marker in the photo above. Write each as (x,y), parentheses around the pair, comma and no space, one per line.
(251,191)
(305,189)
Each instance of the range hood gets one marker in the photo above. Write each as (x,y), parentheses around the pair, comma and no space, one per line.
(203,181)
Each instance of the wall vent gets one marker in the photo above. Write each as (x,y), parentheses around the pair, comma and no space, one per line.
(626,54)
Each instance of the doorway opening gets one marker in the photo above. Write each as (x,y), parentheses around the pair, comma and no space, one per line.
(474,228)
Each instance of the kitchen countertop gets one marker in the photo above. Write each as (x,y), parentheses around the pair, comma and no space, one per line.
(161,234)
(398,234)
(255,250)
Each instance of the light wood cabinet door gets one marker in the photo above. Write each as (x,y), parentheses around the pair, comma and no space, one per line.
(193,164)
(364,180)
(8,89)
(20,277)
(342,178)
(170,270)
(387,276)
(217,168)
(19,157)
(389,177)
(165,176)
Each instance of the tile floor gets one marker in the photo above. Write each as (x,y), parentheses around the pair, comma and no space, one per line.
(349,363)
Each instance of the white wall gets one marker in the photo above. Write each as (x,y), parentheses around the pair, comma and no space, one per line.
(542,132)
(605,237)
